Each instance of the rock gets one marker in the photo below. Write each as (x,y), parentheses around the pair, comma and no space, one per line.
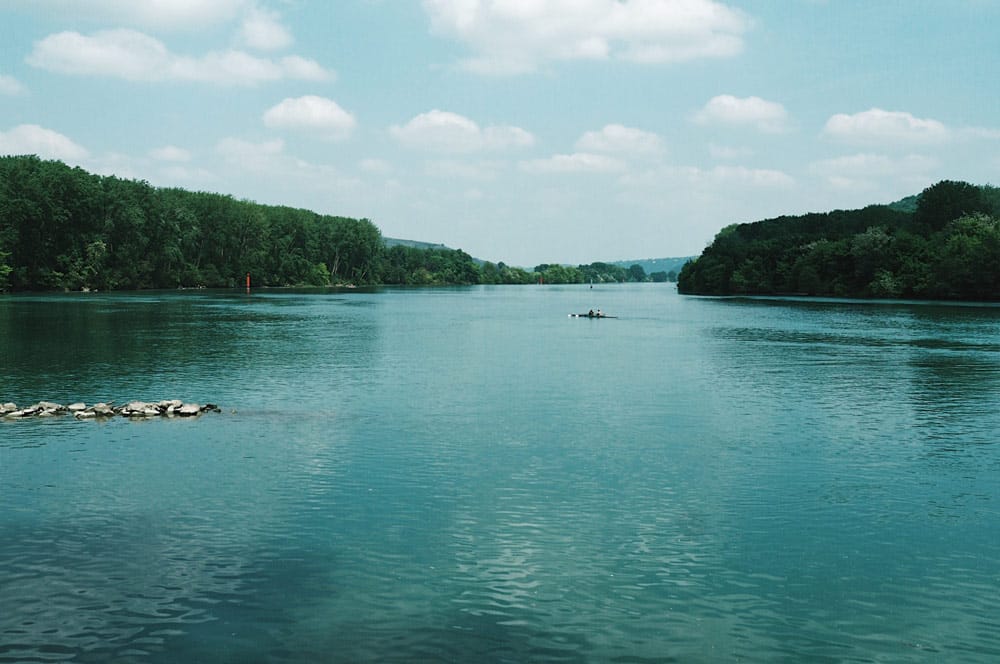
(102,410)
(9,410)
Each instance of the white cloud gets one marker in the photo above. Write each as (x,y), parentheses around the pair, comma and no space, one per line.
(170,153)
(10,86)
(578,162)
(310,113)
(516,36)
(865,171)
(266,172)
(877,126)
(763,115)
(716,179)
(618,139)
(297,67)
(135,56)
(442,131)
(503,137)
(263,30)
(46,143)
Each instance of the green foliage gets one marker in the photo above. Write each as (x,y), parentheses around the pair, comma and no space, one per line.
(5,270)
(946,201)
(411,266)
(63,228)
(949,247)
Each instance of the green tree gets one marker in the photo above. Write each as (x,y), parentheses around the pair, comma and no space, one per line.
(5,270)
(946,201)
(966,266)
(636,273)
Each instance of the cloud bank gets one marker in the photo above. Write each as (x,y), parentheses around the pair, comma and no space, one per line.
(765,116)
(318,115)
(46,143)
(135,56)
(619,139)
(443,131)
(516,37)
(877,126)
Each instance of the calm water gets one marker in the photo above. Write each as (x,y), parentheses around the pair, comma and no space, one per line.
(470,475)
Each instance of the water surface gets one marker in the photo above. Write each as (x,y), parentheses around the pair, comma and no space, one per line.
(470,475)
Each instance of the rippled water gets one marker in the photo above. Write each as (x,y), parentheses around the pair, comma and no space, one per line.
(470,475)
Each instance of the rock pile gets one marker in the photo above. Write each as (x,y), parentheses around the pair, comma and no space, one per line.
(138,409)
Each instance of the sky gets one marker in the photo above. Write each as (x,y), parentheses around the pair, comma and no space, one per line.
(523,131)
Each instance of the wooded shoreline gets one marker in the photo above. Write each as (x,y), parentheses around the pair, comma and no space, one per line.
(943,244)
(64,229)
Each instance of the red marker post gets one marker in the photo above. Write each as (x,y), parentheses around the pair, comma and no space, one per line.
(248,282)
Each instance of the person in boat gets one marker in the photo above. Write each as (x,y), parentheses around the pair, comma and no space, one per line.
(590,314)
(599,314)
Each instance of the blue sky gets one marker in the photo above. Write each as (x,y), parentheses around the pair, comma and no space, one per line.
(526,131)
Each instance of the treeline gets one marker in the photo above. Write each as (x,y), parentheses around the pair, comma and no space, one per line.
(63,228)
(942,244)
(597,273)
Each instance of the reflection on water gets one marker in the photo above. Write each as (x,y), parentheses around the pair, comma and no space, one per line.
(469,475)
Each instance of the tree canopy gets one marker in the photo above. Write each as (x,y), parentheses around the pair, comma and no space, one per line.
(947,247)
(63,228)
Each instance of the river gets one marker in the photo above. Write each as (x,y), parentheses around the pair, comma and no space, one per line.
(471,475)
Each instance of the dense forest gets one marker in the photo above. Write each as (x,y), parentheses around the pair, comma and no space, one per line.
(942,244)
(63,228)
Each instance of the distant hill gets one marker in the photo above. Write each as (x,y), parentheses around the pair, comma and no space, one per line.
(908,204)
(651,265)
(392,242)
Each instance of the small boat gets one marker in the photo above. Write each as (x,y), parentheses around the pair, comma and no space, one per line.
(591,314)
